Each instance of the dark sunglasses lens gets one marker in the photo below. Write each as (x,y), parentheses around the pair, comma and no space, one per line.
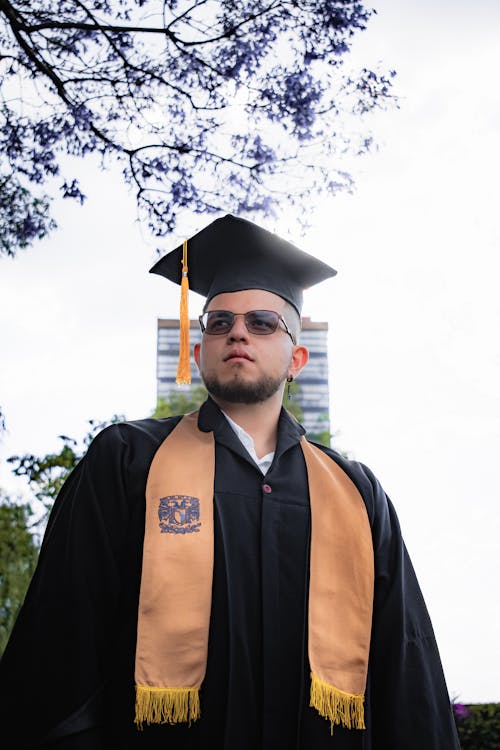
(262,322)
(218,321)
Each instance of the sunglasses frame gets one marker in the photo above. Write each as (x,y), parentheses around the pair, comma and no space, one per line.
(235,315)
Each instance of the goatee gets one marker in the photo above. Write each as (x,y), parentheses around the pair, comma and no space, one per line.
(243,392)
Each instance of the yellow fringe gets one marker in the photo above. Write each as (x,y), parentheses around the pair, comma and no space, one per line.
(184,363)
(340,708)
(155,705)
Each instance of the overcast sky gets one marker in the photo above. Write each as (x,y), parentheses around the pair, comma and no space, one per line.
(414,317)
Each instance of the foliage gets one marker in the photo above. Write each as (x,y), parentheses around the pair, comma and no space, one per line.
(204,106)
(323,436)
(291,404)
(46,474)
(21,526)
(24,216)
(18,556)
(478,725)
(180,402)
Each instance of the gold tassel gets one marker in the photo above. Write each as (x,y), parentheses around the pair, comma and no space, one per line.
(336,705)
(155,705)
(184,364)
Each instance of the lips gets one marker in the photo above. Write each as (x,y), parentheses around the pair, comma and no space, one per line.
(237,354)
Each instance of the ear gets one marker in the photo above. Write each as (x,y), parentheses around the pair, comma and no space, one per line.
(196,354)
(300,358)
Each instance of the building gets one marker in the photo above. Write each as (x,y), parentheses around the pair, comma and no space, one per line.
(167,355)
(312,396)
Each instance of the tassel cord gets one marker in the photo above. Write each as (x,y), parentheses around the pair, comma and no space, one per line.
(183,366)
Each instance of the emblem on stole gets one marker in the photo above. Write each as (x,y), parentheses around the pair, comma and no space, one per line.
(179,514)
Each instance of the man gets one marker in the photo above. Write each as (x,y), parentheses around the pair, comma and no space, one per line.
(216,579)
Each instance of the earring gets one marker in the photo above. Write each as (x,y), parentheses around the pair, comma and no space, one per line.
(288,381)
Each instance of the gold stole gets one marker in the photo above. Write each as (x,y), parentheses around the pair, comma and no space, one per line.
(176,583)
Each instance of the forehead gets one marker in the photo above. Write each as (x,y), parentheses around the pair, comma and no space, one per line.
(247,299)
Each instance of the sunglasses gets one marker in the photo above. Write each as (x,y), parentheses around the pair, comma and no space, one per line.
(259,322)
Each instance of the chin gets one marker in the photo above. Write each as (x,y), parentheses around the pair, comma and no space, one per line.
(242,390)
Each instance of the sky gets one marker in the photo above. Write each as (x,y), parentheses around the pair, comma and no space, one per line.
(413,313)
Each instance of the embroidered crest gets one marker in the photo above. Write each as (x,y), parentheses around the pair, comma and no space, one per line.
(179,514)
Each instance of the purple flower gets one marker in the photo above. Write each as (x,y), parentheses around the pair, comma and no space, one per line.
(461,711)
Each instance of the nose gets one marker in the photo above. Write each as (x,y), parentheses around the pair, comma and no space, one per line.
(239,330)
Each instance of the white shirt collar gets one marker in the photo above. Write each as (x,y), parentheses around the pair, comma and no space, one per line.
(263,463)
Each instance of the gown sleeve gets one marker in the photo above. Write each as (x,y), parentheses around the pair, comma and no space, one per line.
(54,666)
(410,704)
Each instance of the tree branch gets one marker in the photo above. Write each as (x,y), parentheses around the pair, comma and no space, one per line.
(120,29)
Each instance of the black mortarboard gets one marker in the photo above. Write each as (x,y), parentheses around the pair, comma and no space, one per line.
(232,254)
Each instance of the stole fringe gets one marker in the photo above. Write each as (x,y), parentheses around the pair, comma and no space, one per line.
(155,705)
(345,709)
(184,362)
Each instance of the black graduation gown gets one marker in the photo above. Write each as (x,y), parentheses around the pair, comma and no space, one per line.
(67,674)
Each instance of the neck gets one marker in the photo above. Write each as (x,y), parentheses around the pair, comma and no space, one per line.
(259,420)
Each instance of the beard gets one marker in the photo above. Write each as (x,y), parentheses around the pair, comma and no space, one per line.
(238,391)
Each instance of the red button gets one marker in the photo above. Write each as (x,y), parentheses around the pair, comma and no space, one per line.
(267,488)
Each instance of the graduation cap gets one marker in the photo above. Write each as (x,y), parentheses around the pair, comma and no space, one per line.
(232,254)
